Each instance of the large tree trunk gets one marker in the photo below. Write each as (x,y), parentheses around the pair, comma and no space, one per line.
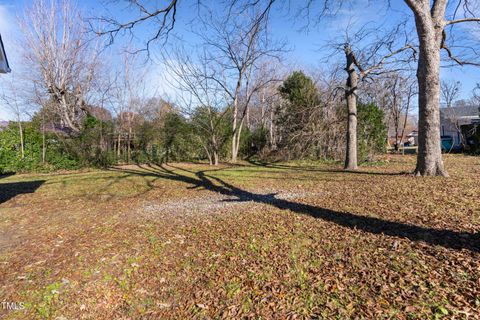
(429,157)
(350,96)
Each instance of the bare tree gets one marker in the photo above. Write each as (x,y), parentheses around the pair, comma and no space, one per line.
(450,91)
(266,101)
(400,91)
(128,98)
(202,98)
(432,25)
(411,91)
(12,97)
(238,40)
(63,64)
(476,94)
(351,88)
(379,56)
(237,44)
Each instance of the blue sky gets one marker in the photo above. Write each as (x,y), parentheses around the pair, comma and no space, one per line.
(308,45)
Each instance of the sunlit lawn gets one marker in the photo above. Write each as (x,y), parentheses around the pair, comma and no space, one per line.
(300,239)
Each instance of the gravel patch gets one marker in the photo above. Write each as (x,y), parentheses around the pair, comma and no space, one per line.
(215,203)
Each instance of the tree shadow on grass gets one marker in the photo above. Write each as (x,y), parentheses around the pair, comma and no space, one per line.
(313,169)
(6,175)
(12,189)
(441,237)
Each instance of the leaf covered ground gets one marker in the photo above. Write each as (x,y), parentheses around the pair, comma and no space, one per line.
(261,241)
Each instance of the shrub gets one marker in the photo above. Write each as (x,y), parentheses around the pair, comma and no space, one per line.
(371,131)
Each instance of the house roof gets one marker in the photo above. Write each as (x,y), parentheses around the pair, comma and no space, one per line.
(469,112)
(3,124)
(4,66)
(58,129)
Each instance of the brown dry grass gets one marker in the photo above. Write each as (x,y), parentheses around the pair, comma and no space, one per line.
(296,240)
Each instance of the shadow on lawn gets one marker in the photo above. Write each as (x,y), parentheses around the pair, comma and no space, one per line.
(12,189)
(6,175)
(446,238)
(313,169)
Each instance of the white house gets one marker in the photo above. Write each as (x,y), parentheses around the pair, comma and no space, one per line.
(4,67)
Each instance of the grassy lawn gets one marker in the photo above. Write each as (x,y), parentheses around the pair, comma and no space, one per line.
(291,240)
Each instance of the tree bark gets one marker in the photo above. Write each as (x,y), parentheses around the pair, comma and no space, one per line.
(396,123)
(429,157)
(238,136)
(209,156)
(405,120)
(248,117)
(351,98)
(234,123)
(272,130)
(118,146)
(235,139)
(128,145)
(215,149)
(44,147)
(20,130)
(234,148)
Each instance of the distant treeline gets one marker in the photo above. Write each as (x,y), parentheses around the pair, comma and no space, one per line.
(300,124)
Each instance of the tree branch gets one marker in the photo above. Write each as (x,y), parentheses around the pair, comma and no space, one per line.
(472,19)
(444,46)
(365,73)
(165,16)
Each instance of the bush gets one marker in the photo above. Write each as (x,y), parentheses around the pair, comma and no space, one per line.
(371,131)
(62,152)
(141,156)
(10,150)
(253,142)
